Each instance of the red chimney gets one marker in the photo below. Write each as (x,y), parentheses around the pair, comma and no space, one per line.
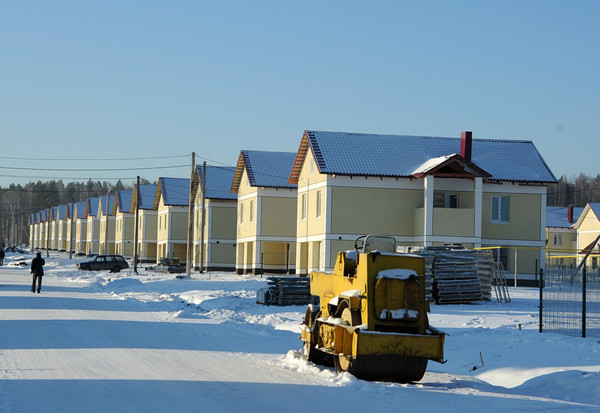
(570,214)
(466,140)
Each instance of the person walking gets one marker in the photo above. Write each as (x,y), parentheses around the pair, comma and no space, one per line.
(37,269)
(1,256)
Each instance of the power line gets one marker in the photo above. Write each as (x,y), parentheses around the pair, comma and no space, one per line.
(92,169)
(92,159)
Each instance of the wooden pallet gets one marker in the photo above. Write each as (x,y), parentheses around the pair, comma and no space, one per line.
(287,290)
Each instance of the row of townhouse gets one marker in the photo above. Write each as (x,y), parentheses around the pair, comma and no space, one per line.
(293,211)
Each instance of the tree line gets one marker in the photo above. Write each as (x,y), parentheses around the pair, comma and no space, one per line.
(576,191)
(17,202)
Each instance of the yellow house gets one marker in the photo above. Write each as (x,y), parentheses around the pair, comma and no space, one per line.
(424,191)
(147,222)
(561,238)
(53,229)
(266,223)
(62,227)
(35,228)
(124,223)
(171,203)
(107,224)
(80,223)
(92,245)
(220,214)
(44,229)
(588,229)
(32,230)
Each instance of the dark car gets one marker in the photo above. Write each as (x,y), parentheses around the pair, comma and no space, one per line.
(113,263)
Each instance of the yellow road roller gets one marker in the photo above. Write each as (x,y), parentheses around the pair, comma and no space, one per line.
(371,320)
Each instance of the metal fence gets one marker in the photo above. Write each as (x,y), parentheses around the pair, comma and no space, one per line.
(570,301)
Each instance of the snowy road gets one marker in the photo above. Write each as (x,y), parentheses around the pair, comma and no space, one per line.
(191,346)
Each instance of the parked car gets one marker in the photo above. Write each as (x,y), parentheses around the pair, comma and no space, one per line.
(114,263)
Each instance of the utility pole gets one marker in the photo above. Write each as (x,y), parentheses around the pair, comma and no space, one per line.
(202,222)
(47,233)
(107,215)
(71,234)
(137,217)
(190,238)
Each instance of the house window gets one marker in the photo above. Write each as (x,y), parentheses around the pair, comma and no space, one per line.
(241,213)
(304,207)
(451,201)
(500,205)
(318,204)
(444,200)
(557,239)
(251,211)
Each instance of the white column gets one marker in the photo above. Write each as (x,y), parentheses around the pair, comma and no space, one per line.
(478,210)
(428,210)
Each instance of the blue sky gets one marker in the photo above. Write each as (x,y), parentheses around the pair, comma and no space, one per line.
(148,79)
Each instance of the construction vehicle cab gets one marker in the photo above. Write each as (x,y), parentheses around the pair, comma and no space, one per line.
(372,315)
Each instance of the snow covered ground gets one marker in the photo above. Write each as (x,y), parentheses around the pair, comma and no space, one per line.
(101,342)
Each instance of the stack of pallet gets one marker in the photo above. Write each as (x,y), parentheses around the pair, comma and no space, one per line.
(455,279)
(457,276)
(286,290)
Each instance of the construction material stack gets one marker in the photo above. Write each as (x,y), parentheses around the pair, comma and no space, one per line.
(372,319)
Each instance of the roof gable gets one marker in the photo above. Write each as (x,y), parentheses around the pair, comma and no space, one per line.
(106,204)
(218,181)
(147,193)
(123,203)
(451,166)
(91,207)
(591,207)
(345,153)
(264,169)
(174,192)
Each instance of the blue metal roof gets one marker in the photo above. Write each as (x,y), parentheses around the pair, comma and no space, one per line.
(175,191)
(80,206)
(62,212)
(218,181)
(146,196)
(91,207)
(269,169)
(399,155)
(558,217)
(124,201)
(595,207)
(106,206)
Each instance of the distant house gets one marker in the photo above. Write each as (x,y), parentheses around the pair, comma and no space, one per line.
(107,224)
(588,229)
(92,245)
(44,218)
(32,229)
(80,228)
(266,224)
(171,204)
(62,221)
(53,229)
(124,223)
(147,222)
(424,191)
(561,238)
(220,214)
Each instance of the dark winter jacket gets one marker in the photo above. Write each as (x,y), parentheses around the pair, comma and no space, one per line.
(37,266)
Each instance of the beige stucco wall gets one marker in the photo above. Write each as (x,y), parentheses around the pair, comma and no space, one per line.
(364,210)
(278,216)
(224,222)
(524,217)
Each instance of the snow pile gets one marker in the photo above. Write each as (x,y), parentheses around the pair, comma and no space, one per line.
(96,341)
